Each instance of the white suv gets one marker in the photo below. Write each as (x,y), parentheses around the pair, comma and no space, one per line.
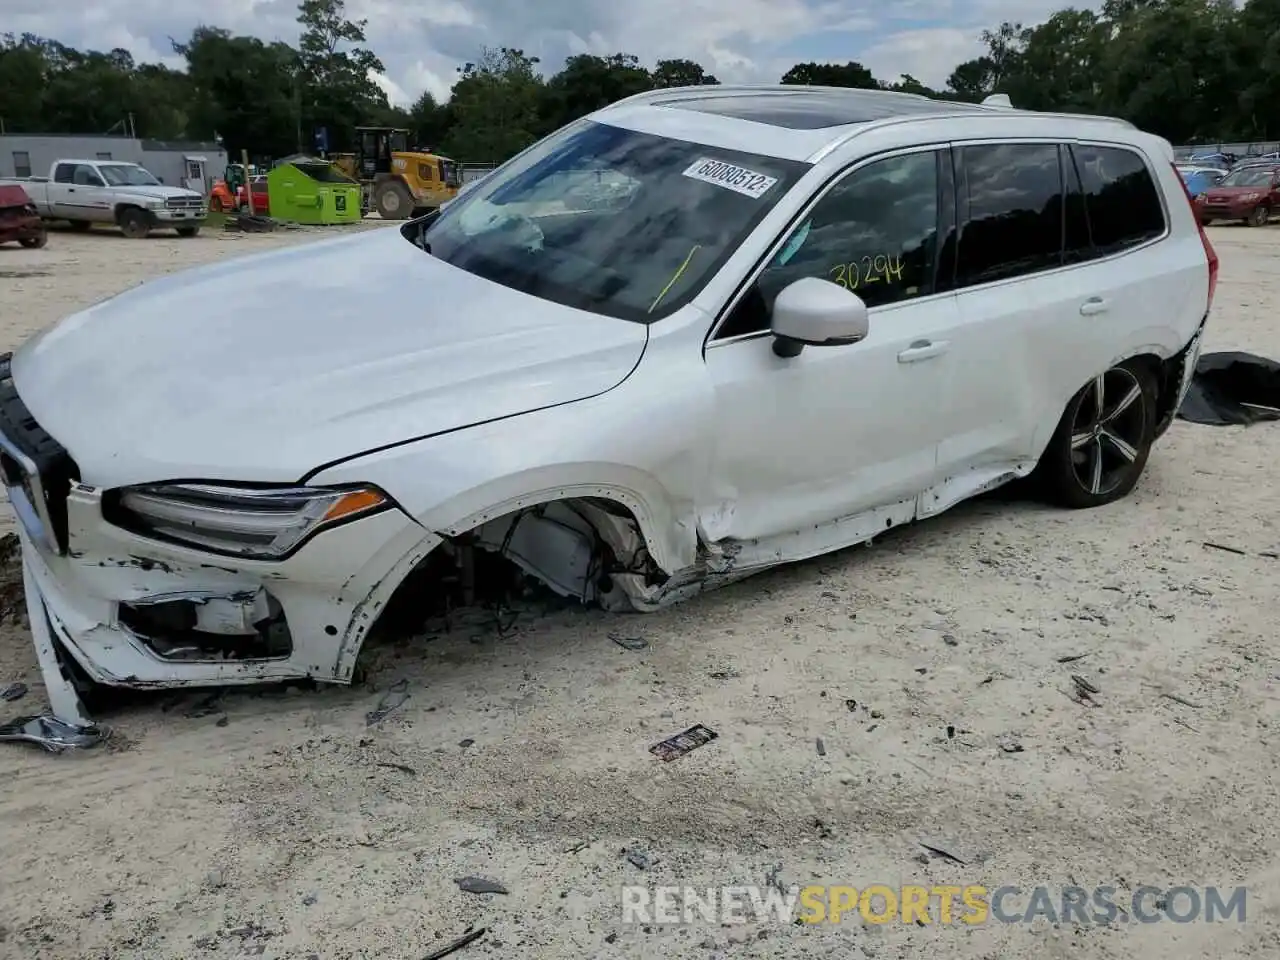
(699,333)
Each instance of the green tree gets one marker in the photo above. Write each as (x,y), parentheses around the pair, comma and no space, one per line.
(680,73)
(335,89)
(496,106)
(850,74)
(588,83)
(243,90)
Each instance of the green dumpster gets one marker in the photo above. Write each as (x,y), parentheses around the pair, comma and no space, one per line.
(312,191)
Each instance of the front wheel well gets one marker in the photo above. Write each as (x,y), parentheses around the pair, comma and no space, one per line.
(587,550)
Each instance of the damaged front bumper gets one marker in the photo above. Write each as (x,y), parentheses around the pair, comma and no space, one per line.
(121,610)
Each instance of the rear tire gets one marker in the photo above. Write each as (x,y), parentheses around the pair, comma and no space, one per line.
(36,242)
(187,232)
(394,202)
(1259,217)
(134,223)
(1103,440)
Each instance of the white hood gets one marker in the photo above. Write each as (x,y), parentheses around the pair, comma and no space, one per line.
(156,191)
(263,369)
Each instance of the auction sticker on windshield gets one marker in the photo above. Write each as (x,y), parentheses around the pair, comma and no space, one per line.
(739,179)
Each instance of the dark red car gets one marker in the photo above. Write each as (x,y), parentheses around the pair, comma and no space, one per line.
(1250,193)
(19,219)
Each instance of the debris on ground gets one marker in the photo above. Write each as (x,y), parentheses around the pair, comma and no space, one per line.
(1009,744)
(455,945)
(1177,699)
(773,878)
(206,706)
(396,696)
(250,223)
(636,857)
(629,643)
(1084,689)
(943,853)
(51,733)
(479,885)
(675,747)
(402,767)
(14,691)
(822,747)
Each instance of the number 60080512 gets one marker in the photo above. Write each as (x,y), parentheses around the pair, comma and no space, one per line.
(852,276)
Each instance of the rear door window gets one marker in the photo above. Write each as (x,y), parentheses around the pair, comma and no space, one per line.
(1121,198)
(1011,208)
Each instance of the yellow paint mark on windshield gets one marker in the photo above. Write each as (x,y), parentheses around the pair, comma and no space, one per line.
(674,278)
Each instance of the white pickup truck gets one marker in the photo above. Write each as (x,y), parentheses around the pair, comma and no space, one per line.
(86,192)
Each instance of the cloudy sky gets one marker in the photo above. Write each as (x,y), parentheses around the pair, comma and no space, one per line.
(423,41)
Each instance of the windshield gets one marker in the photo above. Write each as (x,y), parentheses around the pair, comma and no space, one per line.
(127,175)
(1248,177)
(622,223)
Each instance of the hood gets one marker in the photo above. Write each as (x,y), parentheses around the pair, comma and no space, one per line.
(156,191)
(263,369)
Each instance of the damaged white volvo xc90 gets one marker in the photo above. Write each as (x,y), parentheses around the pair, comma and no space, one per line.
(697,334)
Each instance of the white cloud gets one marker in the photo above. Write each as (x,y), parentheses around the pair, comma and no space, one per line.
(422,42)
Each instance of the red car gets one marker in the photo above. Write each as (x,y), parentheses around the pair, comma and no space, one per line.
(19,219)
(1250,193)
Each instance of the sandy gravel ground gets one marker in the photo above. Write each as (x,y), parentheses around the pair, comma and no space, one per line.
(279,825)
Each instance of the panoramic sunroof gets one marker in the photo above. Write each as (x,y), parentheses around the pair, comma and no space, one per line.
(813,111)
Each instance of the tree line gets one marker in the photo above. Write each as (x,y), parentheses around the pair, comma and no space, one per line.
(1190,70)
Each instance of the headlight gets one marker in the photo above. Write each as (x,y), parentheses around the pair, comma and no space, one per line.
(264,524)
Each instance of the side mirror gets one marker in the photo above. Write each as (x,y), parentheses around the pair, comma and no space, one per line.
(816,313)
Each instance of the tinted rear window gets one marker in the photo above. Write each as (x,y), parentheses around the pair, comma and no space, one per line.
(1011,207)
(1121,198)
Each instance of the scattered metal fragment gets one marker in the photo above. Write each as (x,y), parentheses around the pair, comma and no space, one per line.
(773,878)
(629,643)
(943,852)
(637,858)
(1083,686)
(466,743)
(950,640)
(53,734)
(729,674)
(1009,744)
(822,747)
(1177,699)
(402,767)
(1226,549)
(479,885)
(1072,657)
(454,945)
(675,747)
(14,691)
(395,697)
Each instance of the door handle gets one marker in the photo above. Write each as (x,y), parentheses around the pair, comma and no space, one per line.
(923,350)
(1094,306)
